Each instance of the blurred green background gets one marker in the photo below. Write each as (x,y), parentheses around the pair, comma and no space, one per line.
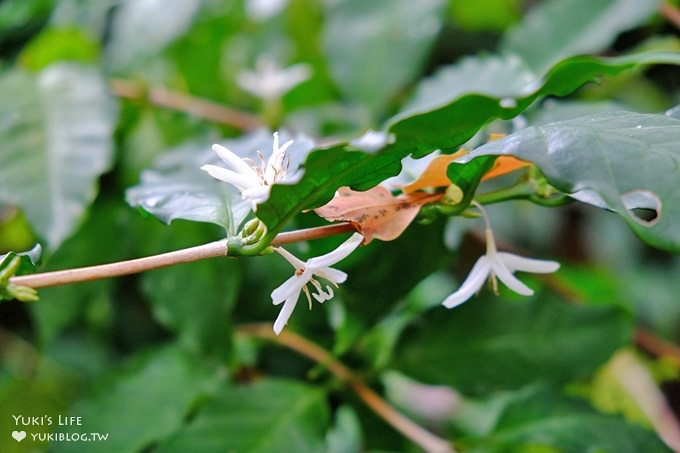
(153,359)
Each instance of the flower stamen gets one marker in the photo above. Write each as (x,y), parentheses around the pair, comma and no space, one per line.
(309,297)
(306,273)
(253,179)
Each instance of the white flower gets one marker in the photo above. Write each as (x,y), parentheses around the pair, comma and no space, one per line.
(498,264)
(270,81)
(305,273)
(252,180)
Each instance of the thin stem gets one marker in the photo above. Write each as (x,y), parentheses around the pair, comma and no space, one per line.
(200,252)
(490,241)
(416,433)
(120,268)
(309,234)
(523,191)
(487,222)
(657,346)
(518,191)
(185,103)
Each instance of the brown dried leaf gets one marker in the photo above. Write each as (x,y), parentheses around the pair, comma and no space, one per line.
(375,213)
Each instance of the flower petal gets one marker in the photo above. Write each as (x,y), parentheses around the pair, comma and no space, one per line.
(289,288)
(292,259)
(505,275)
(332,275)
(234,161)
(519,263)
(338,254)
(256,194)
(242,182)
(471,285)
(284,314)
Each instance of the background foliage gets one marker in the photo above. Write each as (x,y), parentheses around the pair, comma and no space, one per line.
(158,361)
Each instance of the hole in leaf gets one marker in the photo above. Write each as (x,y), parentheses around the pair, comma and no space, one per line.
(644,206)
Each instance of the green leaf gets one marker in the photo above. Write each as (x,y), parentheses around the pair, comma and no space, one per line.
(378,345)
(540,420)
(472,106)
(12,264)
(267,416)
(552,111)
(28,260)
(369,67)
(419,133)
(492,343)
(491,75)
(56,134)
(544,36)
(390,262)
(177,188)
(143,404)
(143,28)
(468,176)
(623,161)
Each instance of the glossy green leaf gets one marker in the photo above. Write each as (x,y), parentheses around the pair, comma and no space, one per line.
(29,259)
(368,67)
(266,416)
(623,161)
(538,419)
(143,404)
(177,188)
(56,134)
(419,133)
(546,36)
(492,75)
(467,177)
(552,111)
(491,343)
